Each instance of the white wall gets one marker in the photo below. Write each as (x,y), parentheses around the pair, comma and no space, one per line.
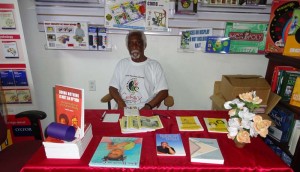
(190,76)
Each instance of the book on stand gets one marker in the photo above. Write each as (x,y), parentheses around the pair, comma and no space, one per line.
(295,98)
(216,125)
(169,145)
(122,152)
(69,107)
(287,85)
(276,73)
(205,150)
(189,123)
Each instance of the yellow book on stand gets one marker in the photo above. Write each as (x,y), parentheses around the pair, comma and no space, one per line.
(295,98)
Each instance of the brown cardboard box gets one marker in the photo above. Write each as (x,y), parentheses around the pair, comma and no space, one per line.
(233,85)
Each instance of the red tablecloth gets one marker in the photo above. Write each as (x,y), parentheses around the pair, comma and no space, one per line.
(256,156)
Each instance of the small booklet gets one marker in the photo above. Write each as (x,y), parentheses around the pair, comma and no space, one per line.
(169,145)
(131,111)
(216,125)
(189,123)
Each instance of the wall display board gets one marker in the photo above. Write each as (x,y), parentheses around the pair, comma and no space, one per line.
(246,37)
(279,24)
(194,39)
(66,35)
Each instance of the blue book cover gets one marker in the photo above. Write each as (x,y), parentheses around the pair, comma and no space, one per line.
(20,78)
(122,152)
(205,150)
(284,120)
(215,44)
(7,78)
(169,145)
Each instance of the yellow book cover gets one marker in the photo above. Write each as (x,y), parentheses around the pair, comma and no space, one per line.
(216,125)
(292,45)
(189,123)
(295,98)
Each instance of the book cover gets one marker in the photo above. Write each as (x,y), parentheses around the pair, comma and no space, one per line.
(189,123)
(66,35)
(69,107)
(131,111)
(186,6)
(169,145)
(7,19)
(284,121)
(247,38)
(194,39)
(24,96)
(294,137)
(295,98)
(7,78)
(10,96)
(93,38)
(20,77)
(205,150)
(281,12)
(122,152)
(102,38)
(276,74)
(215,44)
(287,84)
(157,14)
(292,45)
(10,49)
(216,125)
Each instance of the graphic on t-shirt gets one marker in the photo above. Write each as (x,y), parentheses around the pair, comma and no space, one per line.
(133,96)
(132,85)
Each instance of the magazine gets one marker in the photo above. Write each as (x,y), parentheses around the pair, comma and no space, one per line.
(169,145)
(69,106)
(122,152)
(189,123)
(138,124)
(216,125)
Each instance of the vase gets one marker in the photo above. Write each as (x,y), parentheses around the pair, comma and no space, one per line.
(239,144)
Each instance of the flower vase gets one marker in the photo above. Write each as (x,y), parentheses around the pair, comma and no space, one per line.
(239,144)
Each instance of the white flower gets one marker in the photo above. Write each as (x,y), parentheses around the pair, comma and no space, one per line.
(234,122)
(232,132)
(246,124)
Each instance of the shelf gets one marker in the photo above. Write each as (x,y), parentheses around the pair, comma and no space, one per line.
(233,6)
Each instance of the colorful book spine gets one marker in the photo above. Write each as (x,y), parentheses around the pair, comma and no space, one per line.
(276,74)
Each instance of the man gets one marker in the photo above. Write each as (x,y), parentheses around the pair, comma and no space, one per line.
(165,149)
(138,81)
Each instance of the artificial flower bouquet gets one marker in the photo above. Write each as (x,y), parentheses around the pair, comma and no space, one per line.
(243,123)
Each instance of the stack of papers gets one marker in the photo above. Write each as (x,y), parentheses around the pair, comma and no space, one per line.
(139,124)
(131,111)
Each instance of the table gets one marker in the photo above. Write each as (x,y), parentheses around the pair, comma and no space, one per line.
(256,156)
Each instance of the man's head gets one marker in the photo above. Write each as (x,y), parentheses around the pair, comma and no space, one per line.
(78,25)
(136,43)
(164,144)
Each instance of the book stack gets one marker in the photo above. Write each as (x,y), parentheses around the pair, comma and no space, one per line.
(68,150)
(138,124)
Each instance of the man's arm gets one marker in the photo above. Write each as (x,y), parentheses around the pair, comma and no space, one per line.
(160,96)
(116,96)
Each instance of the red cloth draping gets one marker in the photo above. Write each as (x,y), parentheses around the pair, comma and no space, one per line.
(256,156)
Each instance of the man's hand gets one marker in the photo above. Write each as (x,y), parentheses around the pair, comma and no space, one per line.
(121,105)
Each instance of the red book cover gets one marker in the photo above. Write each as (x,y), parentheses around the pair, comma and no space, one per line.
(279,24)
(276,75)
(69,104)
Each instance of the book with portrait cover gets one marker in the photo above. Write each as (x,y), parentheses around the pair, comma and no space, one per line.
(189,123)
(169,145)
(122,152)
(69,107)
(216,125)
(205,150)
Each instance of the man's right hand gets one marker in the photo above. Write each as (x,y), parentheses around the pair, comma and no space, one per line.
(121,105)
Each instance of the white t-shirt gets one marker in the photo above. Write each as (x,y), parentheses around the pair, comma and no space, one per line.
(138,83)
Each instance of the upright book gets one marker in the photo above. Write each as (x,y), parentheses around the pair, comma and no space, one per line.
(69,107)
(205,150)
(295,98)
(169,145)
(189,123)
(216,125)
(122,152)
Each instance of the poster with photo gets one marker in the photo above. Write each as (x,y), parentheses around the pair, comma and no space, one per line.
(66,35)
(157,14)
(125,14)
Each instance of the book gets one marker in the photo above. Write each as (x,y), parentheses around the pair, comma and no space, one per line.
(20,77)
(10,96)
(284,121)
(292,45)
(205,150)
(7,19)
(189,123)
(294,137)
(10,49)
(194,39)
(169,145)
(276,74)
(247,38)
(69,107)
(215,44)
(24,96)
(131,111)
(102,40)
(186,7)
(58,149)
(287,85)
(7,78)
(157,15)
(295,98)
(122,152)
(216,125)
(93,38)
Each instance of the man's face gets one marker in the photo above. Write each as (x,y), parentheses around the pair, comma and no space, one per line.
(135,46)
(164,144)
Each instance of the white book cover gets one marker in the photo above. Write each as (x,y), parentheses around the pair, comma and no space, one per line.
(294,137)
(10,49)
(7,20)
(157,14)
(205,150)
(189,123)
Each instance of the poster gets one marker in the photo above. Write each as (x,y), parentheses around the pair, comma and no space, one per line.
(66,35)
(125,14)
(157,14)
(194,39)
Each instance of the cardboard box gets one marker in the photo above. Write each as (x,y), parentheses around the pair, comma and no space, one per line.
(233,85)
